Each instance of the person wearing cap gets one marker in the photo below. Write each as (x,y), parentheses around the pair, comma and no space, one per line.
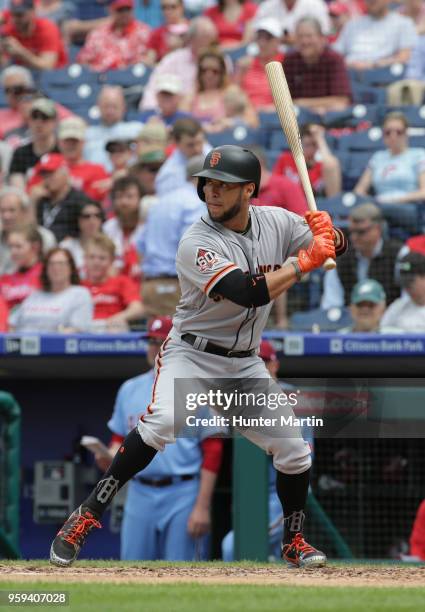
(116,299)
(370,255)
(170,35)
(121,154)
(169,90)
(233,18)
(146,168)
(167,508)
(339,13)
(201,35)
(19,91)
(152,137)
(29,40)
(89,177)
(112,125)
(407,313)
(367,305)
(117,44)
(380,38)
(165,224)
(189,139)
(42,125)
(289,12)
(56,202)
(250,70)
(316,74)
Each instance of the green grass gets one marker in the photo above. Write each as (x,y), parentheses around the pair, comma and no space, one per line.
(227,598)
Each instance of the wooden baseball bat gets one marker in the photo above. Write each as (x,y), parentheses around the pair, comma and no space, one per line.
(285,109)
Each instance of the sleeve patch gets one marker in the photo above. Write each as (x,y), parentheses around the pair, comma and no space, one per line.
(205,260)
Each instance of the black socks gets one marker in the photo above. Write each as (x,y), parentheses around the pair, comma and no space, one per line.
(133,455)
(292,490)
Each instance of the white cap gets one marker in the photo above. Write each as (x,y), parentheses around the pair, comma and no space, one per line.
(270,25)
(171,83)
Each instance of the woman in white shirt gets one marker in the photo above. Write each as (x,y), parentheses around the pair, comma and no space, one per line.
(61,306)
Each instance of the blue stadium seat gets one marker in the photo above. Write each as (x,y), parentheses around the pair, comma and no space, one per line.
(239,135)
(82,96)
(135,75)
(340,206)
(384,75)
(277,141)
(90,9)
(367,140)
(235,54)
(320,320)
(354,167)
(415,115)
(366,94)
(352,116)
(68,77)
(3,101)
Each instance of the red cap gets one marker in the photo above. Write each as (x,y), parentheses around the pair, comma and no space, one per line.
(338,8)
(417,244)
(116,4)
(50,162)
(267,352)
(160,327)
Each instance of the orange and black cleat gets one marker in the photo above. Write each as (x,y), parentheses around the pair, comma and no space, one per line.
(70,538)
(298,553)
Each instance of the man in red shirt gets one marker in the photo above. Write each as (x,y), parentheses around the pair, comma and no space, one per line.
(29,40)
(317,76)
(119,43)
(90,178)
(115,298)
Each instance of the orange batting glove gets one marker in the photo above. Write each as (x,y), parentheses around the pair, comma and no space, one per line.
(320,248)
(319,222)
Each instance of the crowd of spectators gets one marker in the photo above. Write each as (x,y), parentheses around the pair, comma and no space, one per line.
(94,199)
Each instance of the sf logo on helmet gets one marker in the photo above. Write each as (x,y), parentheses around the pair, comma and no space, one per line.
(215,158)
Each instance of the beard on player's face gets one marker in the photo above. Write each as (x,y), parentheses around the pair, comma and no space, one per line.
(228,214)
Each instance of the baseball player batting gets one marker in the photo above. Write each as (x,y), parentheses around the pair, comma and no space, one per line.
(231,264)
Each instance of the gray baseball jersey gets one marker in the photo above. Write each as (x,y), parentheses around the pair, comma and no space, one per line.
(208,252)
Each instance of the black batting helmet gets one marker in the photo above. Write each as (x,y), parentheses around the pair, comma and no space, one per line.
(230,164)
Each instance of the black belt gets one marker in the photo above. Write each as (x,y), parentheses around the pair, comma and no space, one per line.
(164,482)
(162,277)
(214,349)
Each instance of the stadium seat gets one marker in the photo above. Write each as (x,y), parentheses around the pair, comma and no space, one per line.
(320,320)
(239,135)
(340,206)
(352,116)
(368,140)
(68,77)
(3,101)
(415,115)
(235,54)
(366,94)
(384,75)
(135,75)
(82,96)
(277,141)
(354,167)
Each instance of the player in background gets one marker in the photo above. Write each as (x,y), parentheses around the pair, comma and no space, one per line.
(167,508)
(231,264)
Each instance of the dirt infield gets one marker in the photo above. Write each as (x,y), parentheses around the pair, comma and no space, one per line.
(347,575)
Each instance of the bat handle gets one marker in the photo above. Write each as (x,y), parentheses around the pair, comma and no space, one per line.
(330,264)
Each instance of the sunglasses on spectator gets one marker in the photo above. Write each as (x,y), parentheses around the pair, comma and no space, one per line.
(168,7)
(94,215)
(155,341)
(123,9)
(118,148)
(38,115)
(18,90)
(203,69)
(398,132)
(150,168)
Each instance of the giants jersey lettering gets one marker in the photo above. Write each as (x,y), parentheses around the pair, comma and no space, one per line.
(208,252)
